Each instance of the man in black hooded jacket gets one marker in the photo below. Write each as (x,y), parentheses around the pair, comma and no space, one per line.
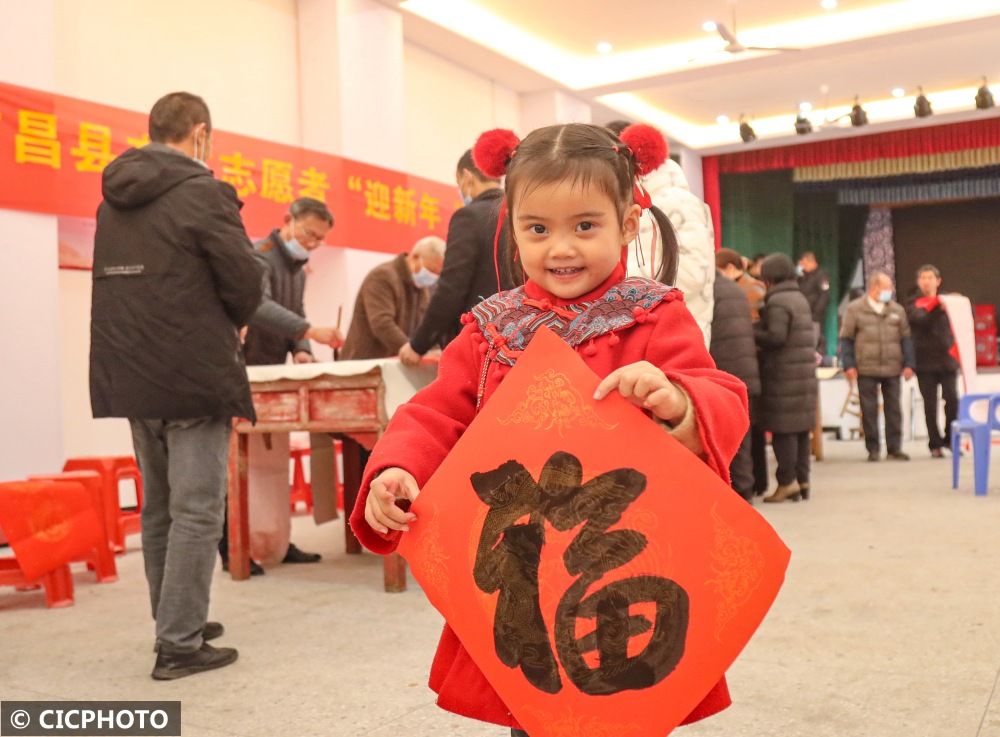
(175,279)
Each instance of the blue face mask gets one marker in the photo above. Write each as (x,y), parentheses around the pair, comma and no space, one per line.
(466,199)
(885,296)
(295,250)
(425,278)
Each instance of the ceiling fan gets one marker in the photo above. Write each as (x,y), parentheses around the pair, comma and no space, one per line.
(733,45)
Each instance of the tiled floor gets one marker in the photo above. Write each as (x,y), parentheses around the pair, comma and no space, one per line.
(888,626)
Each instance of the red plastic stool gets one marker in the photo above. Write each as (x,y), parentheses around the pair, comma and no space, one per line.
(301,489)
(102,558)
(120,522)
(338,471)
(48,524)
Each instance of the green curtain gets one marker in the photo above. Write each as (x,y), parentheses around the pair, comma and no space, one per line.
(817,229)
(757,212)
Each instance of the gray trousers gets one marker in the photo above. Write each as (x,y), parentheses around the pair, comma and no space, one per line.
(184,472)
(868,387)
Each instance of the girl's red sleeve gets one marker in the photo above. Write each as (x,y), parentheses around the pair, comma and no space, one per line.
(677,346)
(423,431)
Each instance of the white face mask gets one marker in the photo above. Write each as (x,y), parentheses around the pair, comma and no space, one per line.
(295,249)
(425,278)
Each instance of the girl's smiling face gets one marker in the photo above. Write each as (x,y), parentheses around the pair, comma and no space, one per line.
(570,237)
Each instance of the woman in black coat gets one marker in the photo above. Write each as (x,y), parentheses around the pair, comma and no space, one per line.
(788,374)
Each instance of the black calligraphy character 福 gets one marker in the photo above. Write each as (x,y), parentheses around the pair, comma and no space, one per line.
(508,559)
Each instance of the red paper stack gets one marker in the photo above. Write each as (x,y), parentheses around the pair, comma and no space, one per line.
(986,335)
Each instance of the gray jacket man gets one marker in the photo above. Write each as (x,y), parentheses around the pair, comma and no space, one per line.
(876,348)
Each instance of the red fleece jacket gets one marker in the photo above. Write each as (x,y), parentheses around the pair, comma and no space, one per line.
(424,431)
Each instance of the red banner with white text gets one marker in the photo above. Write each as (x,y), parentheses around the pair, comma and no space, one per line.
(54,148)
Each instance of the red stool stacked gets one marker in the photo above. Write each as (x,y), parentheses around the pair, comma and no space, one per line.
(112,469)
(101,559)
(48,524)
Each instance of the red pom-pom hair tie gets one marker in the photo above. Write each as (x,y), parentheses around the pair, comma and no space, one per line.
(648,146)
(493,151)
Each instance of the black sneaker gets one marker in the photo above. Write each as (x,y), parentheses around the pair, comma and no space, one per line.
(294,555)
(874,457)
(897,455)
(170,666)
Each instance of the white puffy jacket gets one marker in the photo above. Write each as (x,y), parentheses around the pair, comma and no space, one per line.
(692,221)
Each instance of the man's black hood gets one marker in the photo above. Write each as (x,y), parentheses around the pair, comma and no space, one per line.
(140,175)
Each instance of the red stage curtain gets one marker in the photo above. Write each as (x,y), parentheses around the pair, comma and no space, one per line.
(895,144)
(713,195)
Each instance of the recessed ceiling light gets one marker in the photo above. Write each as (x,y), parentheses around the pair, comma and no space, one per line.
(709,26)
(603,47)
(722,120)
(828,4)
(898,92)
(805,107)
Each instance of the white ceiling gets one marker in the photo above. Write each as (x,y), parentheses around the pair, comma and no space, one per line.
(667,70)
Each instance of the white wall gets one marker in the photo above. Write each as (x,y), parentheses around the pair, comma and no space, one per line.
(447,107)
(240,55)
(245,58)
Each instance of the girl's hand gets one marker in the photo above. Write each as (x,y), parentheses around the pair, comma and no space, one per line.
(381,512)
(646,386)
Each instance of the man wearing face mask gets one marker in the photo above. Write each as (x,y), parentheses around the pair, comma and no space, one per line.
(279,326)
(469,272)
(278,329)
(815,285)
(876,347)
(175,279)
(391,301)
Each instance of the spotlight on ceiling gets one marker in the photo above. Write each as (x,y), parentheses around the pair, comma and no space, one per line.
(803,125)
(603,47)
(746,132)
(722,120)
(858,115)
(828,4)
(922,107)
(898,92)
(805,107)
(984,98)
(710,26)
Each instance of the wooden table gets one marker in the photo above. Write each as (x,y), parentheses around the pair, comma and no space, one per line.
(352,400)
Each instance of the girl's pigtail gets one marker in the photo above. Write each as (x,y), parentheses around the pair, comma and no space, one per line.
(667,272)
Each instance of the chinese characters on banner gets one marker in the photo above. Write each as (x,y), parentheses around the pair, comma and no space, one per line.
(54,148)
(608,578)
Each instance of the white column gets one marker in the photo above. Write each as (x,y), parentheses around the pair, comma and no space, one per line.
(31,438)
(551,107)
(691,164)
(351,78)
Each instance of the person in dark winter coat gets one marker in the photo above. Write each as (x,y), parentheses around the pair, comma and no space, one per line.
(279,326)
(815,285)
(175,279)
(469,274)
(788,375)
(937,364)
(734,352)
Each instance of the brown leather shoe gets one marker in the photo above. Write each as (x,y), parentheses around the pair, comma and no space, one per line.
(783,492)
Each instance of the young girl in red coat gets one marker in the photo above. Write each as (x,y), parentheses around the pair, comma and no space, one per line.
(573,205)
